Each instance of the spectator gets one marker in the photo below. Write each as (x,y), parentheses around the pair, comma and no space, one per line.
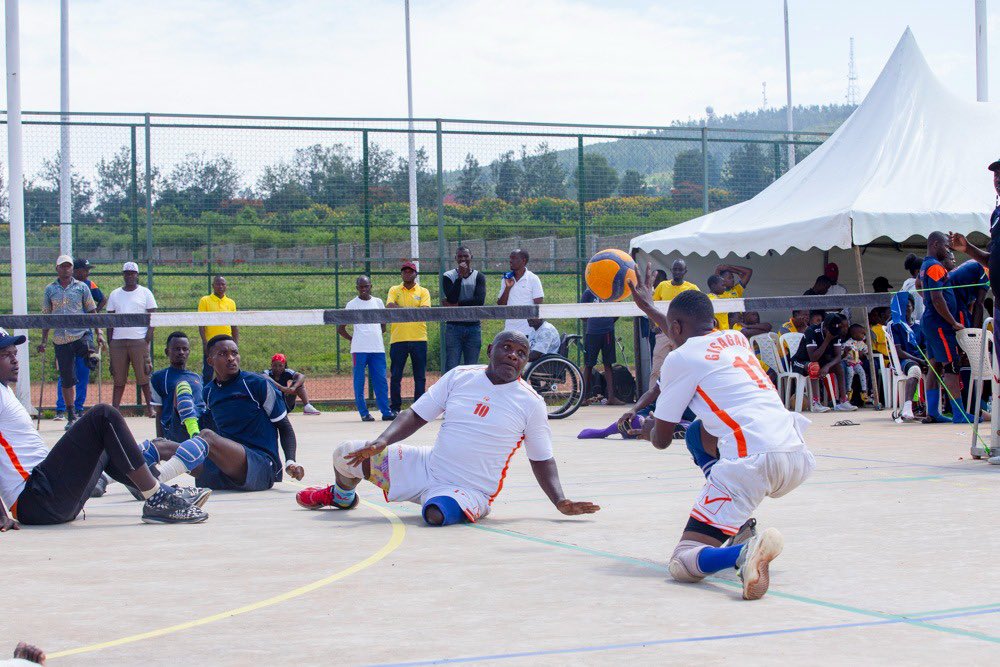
(832,271)
(821,354)
(215,302)
(68,296)
(911,361)
(797,323)
(368,351)
(666,291)
(599,339)
(877,317)
(970,282)
(290,383)
(716,288)
(752,326)
(130,345)
(912,266)
(816,317)
(520,287)
(543,339)
(408,339)
(734,280)
(462,286)
(881,285)
(81,271)
(855,356)
(821,286)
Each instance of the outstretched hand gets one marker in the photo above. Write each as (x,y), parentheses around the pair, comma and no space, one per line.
(958,241)
(576,507)
(369,450)
(642,288)
(295,471)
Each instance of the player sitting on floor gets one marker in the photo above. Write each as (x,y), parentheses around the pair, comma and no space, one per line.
(760,448)
(177,393)
(247,415)
(43,487)
(489,413)
(291,384)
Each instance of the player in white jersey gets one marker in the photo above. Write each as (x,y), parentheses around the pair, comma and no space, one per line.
(490,412)
(758,444)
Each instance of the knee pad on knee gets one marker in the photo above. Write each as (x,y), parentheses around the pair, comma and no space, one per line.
(914,372)
(192,452)
(340,463)
(692,438)
(448,511)
(684,562)
(149,453)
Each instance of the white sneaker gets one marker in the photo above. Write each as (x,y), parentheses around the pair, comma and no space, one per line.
(308,409)
(845,407)
(907,412)
(819,407)
(755,561)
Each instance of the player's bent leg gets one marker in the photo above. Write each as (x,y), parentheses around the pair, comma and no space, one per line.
(341,494)
(693,438)
(443,511)
(755,561)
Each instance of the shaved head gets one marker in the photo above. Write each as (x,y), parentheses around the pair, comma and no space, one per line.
(510,335)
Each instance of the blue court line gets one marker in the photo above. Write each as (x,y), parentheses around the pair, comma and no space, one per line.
(679,640)
(956,467)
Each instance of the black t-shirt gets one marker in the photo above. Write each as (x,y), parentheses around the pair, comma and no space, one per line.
(995,253)
(284,379)
(815,335)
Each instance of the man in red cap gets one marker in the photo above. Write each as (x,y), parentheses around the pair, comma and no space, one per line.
(290,383)
(407,339)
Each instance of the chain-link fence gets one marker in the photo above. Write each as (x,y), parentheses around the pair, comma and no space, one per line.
(292,210)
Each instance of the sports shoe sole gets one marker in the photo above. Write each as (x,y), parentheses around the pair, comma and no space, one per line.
(202,498)
(156,519)
(757,576)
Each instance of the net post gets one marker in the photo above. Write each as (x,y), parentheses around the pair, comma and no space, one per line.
(441,241)
(704,169)
(581,181)
(149,208)
(336,283)
(365,203)
(134,192)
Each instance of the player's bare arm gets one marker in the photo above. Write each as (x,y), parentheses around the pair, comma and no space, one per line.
(547,474)
(644,401)
(405,425)
(642,295)
(959,243)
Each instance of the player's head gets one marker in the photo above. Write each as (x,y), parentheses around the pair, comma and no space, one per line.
(690,314)
(822,284)
(178,349)
(800,318)
(8,356)
(912,264)
(219,286)
(716,285)
(535,322)
(364,286)
(518,259)
(279,363)
(856,332)
(836,324)
(659,277)
(678,270)
(949,260)
(223,356)
(728,279)
(937,245)
(816,317)
(508,353)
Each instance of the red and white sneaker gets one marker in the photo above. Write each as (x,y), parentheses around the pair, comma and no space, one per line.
(318,497)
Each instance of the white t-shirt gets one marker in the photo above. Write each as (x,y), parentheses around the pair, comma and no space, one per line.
(719,376)
(21,448)
(139,300)
(910,285)
(366,337)
(523,293)
(484,425)
(544,339)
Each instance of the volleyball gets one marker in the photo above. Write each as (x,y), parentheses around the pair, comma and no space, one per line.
(609,273)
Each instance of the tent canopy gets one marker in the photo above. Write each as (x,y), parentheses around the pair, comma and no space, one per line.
(910,160)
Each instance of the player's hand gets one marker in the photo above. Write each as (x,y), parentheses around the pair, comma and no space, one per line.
(508,282)
(6,523)
(372,448)
(575,507)
(642,288)
(295,471)
(957,327)
(644,432)
(958,241)
(625,421)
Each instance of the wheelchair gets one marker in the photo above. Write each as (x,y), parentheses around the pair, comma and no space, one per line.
(557,379)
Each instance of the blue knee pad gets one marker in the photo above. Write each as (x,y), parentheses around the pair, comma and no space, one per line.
(692,438)
(149,453)
(193,452)
(449,508)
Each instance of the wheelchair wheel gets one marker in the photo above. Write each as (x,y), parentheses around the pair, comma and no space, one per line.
(560,384)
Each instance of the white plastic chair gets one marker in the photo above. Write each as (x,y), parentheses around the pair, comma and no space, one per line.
(897,378)
(790,342)
(978,347)
(767,347)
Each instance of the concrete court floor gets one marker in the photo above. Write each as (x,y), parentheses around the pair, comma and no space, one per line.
(890,557)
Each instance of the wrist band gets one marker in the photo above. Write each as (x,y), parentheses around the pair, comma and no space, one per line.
(290,462)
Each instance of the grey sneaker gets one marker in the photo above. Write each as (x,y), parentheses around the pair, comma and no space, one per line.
(747,532)
(195,495)
(168,506)
(102,486)
(60,416)
(70,422)
(995,460)
(755,560)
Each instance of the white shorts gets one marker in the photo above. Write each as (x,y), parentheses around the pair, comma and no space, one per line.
(409,481)
(736,487)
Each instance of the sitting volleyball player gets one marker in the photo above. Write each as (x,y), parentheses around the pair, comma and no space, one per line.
(247,415)
(489,413)
(177,393)
(760,448)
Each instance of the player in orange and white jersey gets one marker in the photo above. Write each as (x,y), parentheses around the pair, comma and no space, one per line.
(758,444)
(490,413)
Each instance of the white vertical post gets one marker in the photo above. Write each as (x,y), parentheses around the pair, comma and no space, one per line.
(65,163)
(412,161)
(788,88)
(15,186)
(982,63)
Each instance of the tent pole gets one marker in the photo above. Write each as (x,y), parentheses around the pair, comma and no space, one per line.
(873,374)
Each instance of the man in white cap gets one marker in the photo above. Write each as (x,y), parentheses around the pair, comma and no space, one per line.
(68,296)
(130,345)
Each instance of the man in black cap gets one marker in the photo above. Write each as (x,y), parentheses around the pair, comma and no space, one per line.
(81,272)
(881,285)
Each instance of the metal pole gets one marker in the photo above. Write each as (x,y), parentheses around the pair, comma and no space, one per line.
(208,255)
(15,196)
(581,250)
(777,161)
(65,163)
(441,240)
(336,282)
(134,195)
(411,140)
(868,335)
(149,209)
(788,88)
(366,204)
(704,169)
(982,61)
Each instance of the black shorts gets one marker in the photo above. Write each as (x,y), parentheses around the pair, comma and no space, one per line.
(599,344)
(262,473)
(66,355)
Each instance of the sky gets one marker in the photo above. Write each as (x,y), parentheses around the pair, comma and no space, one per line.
(618,62)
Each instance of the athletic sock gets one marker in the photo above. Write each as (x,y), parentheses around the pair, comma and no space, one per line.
(157,493)
(343,496)
(70,415)
(934,403)
(959,415)
(189,455)
(908,406)
(596,433)
(713,559)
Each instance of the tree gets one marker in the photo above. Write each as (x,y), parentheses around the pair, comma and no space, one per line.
(507,175)
(632,184)
(41,196)
(747,172)
(114,185)
(542,175)
(426,182)
(198,184)
(599,178)
(688,186)
(471,184)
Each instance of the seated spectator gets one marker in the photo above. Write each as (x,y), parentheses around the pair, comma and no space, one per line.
(906,341)
(881,285)
(290,383)
(751,325)
(816,317)
(716,288)
(877,318)
(855,358)
(734,280)
(598,340)
(832,271)
(821,286)
(797,323)
(821,354)
(912,266)
(543,339)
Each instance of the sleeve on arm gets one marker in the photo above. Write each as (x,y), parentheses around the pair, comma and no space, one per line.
(155,397)
(202,305)
(88,300)
(46,302)
(150,300)
(273,405)
(112,304)
(431,405)
(536,288)
(537,434)
(677,389)
(479,296)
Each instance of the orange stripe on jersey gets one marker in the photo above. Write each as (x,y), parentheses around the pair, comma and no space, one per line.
(16,462)
(936,272)
(741,441)
(506,465)
(947,348)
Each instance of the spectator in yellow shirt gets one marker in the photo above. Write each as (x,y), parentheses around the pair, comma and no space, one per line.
(716,290)
(408,339)
(876,320)
(734,280)
(216,302)
(665,291)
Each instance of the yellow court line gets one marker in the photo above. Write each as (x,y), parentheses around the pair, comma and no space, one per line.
(398,532)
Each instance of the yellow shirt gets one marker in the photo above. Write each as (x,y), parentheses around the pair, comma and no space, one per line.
(418,297)
(880,342)
(667,290)
(721,319)
(735,293)
(213,304)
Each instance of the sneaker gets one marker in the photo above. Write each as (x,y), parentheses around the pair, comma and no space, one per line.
(747,532)
(389,417)
(755,560)
(367,418)
(845,407)
(167,507)
(819,407)
(907,413)
(316,497)
(308,409)
(102,486)
(70,422)
(994,460)
(195,495)
(60,416)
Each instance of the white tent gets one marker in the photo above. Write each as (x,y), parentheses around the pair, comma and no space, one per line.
(910,160)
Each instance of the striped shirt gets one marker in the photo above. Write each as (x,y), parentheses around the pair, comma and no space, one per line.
(74,299)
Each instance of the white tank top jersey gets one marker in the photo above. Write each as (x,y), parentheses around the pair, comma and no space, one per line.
(719,377)
(484,426)
(21,448)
